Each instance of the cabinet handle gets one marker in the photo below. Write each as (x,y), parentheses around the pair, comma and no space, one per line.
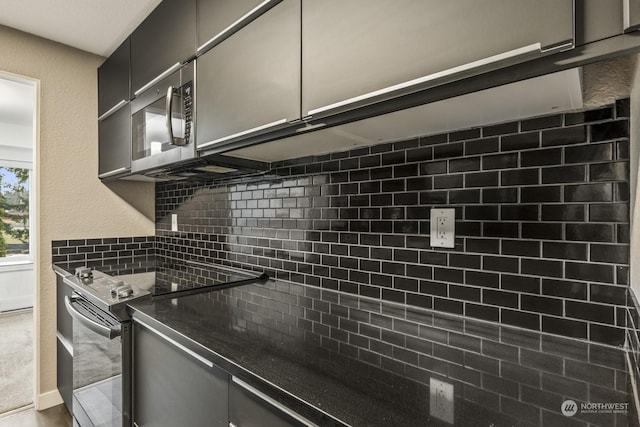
(113,109)
(177,344)
(243,20)
(247,132)
(271,401)
(164,74)
(441,76)
(113,172)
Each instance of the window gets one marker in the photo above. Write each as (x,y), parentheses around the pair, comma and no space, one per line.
(14,212)
(17,175)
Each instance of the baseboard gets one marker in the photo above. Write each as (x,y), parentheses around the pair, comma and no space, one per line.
(16,303)
(48,400)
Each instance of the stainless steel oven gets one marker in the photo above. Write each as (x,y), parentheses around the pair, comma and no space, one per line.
(100,345)
(162,121)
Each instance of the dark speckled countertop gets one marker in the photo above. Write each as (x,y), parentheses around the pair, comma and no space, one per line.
(358,361)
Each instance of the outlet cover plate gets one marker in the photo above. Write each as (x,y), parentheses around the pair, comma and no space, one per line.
(174,222)
(441,400)
(443,228)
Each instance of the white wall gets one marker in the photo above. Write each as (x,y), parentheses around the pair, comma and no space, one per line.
(17,287)
(71,201)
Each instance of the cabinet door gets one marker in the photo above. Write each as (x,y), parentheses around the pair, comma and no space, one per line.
(250,408)
(250,83)
(114,143)
(218,19)
(173,388)
(166,37)
(113,78)
(352,49)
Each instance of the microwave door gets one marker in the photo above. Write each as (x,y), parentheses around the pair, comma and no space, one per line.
(161,126)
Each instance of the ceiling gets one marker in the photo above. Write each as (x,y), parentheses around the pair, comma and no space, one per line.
(96,26)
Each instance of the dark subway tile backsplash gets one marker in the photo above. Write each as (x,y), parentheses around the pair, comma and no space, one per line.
(542,220)
(121,255)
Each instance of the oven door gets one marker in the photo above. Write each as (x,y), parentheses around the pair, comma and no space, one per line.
(162,122)
(97,365)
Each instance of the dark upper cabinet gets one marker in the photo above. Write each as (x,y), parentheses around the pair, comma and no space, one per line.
(173,386)
(114,130)
(358,51)
(114,143)
(218,19)
(113,78)
(166,37)
(250,83)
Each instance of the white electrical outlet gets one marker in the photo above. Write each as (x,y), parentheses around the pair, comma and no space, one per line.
(174,222)
(443,228)
(441,400)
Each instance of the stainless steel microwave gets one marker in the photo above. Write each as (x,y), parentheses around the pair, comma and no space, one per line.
(162,121)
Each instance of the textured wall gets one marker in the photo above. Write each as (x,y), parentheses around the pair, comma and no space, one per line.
(542,222)
(71,201)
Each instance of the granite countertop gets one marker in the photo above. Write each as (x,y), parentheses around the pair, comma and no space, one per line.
(340,359)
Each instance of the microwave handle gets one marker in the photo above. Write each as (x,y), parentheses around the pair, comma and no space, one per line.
(169,123)
(168,109)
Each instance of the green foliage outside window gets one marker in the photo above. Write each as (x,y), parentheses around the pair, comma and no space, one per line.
(14,211)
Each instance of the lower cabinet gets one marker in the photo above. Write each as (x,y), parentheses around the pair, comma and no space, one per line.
(173,386)
(249,407)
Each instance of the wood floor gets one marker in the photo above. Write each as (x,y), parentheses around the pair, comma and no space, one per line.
(58,416)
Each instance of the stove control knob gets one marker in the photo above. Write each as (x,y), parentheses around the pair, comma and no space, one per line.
(115,286)
(84,274)
(125,291)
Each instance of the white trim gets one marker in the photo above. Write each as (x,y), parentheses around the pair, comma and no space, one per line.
(15,411)
(48,400)
(7,265)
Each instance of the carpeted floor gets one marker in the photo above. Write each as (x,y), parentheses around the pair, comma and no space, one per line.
(16,360)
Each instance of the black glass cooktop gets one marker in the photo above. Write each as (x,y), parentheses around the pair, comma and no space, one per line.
(188,278)
(178,279)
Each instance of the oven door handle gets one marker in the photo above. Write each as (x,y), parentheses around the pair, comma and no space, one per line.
(95,326)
